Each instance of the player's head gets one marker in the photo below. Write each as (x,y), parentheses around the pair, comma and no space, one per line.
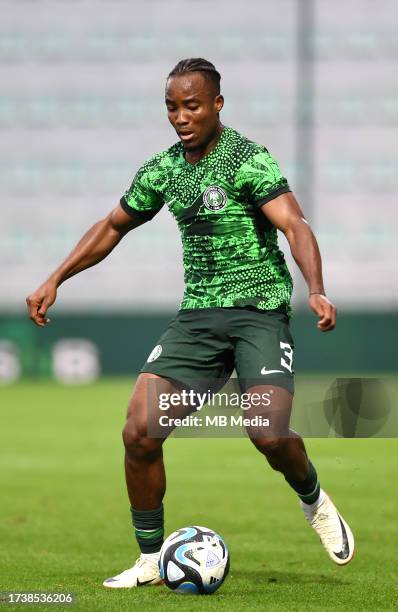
(194,102)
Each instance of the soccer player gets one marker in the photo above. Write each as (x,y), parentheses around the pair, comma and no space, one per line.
(228,197)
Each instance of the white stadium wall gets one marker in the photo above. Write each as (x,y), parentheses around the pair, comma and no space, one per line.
(82,107)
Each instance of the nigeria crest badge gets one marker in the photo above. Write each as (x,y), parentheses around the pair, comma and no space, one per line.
(215,198)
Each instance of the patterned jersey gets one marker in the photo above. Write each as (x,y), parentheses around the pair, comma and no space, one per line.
(230,250)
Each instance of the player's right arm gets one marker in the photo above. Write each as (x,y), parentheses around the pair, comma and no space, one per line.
(92,248)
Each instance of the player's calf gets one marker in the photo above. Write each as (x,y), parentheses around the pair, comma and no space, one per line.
(285,454)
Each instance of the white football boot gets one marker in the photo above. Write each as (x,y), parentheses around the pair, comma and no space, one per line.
(145,572)
(335,534)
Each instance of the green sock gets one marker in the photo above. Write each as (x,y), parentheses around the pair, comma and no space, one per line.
(309,488)
(149,529)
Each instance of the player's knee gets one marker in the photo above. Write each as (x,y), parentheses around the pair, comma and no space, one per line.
(270,446)
(137,445)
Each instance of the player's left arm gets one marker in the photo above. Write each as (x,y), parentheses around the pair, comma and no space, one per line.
(285,213)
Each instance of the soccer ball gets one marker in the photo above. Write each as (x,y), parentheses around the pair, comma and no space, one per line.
(194,560)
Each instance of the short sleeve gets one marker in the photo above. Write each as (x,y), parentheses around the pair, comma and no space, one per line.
(141,199)
(261,179)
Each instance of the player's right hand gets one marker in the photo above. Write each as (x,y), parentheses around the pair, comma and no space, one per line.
(39,302)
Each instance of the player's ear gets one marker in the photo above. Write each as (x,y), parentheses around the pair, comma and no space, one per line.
(219,103)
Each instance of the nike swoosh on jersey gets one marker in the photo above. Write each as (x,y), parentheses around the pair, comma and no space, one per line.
(264,371)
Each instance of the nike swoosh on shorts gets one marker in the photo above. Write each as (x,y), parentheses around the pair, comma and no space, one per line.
(264,371)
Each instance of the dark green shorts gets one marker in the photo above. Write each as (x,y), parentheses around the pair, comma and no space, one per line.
(204,346)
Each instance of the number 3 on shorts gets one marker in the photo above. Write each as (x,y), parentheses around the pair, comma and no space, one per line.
(288,353)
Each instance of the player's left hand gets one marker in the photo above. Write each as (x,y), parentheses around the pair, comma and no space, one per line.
(325,310)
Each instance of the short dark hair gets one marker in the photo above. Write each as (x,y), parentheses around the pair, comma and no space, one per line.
(198,64)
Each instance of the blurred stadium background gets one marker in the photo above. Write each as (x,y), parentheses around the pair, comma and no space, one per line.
(81,108)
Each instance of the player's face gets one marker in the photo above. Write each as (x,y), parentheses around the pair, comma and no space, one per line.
(192,108)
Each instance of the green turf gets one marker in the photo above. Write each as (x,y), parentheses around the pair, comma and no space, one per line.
(65,522)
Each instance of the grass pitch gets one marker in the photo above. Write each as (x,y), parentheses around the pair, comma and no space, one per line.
(65,523)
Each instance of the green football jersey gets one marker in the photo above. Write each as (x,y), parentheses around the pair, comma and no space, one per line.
(230,249)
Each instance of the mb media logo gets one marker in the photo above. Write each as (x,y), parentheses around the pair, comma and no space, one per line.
(215,198)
